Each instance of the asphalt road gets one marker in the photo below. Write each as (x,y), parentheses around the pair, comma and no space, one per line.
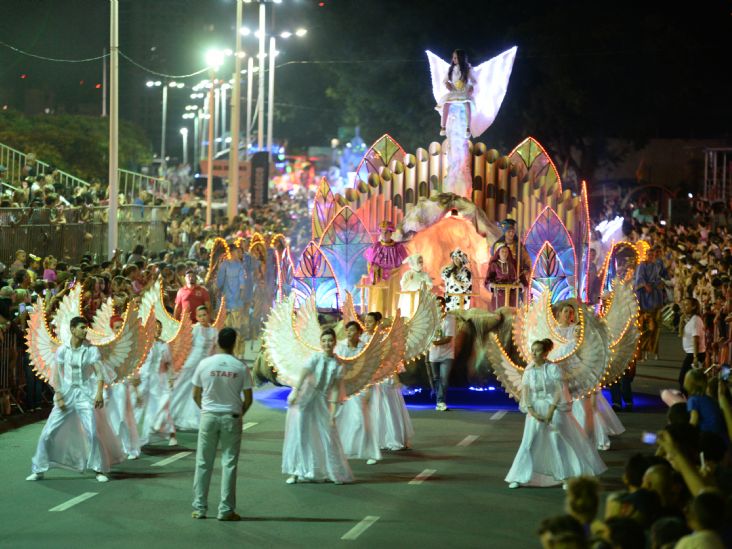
(447,491)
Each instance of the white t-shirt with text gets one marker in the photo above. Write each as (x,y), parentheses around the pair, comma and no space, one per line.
(693,327)
(446,351)
(222,378)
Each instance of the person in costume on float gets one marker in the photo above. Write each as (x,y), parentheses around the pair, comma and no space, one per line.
(230,283)
(186,415)
(388,413)
(460,85)
(385,255)
(354,423)
(412,281)
(502,270)
(593,413)
(554,448)
(509,239)
(312,449)
(87,441)
(458,280)
(650,287)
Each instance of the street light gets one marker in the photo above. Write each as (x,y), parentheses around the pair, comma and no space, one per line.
(214,60)
(164,117)
(184,135)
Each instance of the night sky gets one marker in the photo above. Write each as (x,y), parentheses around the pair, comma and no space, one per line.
(647,71)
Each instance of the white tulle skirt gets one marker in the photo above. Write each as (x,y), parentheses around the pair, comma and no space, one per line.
(121,417)
(157,421)
(389,416)
(552,453)
(354,428)
(186,415)
(312,449)
(599,423)
(78,438)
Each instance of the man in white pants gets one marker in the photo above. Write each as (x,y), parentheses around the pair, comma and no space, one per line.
(218,383)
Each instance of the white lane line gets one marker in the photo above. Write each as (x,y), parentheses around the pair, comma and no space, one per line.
(171,459)
(468,440)
(424,475)
(498,415)
(73,501)
(360,528)
(249,425)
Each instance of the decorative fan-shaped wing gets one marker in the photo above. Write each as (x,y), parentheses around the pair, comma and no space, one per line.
(422,326)
(349,311)
(220,316)
(377,360)
(285,349)
(125,354)
(69,307)
(507,372)
(306,324)
(180,345)
(535,323)
(152,302)
(584,368)
(101,332)
(219,252)
(438,72)
(490,89)
(621,319)
(42,346)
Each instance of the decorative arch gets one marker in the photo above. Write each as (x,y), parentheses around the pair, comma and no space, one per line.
(378,156)
(532,162)
(314,275)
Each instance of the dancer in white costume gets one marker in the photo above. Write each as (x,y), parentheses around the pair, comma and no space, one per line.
(593,413)
(155,391)
(77,435)
(553,448)
(353,418)
(388,413)
(412,281)
(312,449)
(186,415)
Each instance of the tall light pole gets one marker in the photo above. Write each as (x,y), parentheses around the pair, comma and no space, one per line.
(184,135)
(270,100)
(164,116)
(250,93)
(113,126)
(214,59)
(232,195)
(260,93)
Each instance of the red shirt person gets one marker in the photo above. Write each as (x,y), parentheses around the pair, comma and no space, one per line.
(191,296)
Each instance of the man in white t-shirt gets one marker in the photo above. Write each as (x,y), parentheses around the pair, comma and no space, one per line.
(442,356)
(692,338)
(218,383)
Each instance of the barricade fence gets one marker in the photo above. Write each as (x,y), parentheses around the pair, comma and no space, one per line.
(70,233)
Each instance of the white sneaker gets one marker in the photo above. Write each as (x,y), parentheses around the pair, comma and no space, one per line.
(173,441)
(565,486)
(133,456)
(441,407)
(291,480)
(101,477)
(514,485)
(371,461)
(34,476)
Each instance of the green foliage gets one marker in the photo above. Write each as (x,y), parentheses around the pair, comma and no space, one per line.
(76,144)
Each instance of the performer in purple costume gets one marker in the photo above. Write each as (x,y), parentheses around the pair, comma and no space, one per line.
(385,255)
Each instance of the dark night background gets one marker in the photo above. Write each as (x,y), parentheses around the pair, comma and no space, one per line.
(634,70)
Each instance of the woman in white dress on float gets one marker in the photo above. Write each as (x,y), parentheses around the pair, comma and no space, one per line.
(594,413)
(390,419)
(312,449)
(554,448)
(186,415)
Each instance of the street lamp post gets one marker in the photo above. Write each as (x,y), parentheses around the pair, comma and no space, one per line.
(260,94)
(112,233)
(184,135)
(232,195)
(164,116)
(270,100)
(214,59)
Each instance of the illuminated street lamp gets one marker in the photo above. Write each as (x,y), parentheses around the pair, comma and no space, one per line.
(214,60)
(159,84)
(184,135)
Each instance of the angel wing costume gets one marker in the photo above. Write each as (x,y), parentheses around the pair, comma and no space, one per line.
(79,436)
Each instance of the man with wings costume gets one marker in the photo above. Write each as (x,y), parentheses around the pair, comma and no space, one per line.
(77,434)
(312,448)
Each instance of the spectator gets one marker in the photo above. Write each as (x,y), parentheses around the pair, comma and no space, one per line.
(705,517)
(692,338)
(562,531)
(582,501)
(666,531)
(191,296)
(704,412)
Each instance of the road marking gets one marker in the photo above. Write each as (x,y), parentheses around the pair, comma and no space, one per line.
(424,475)
(468,440)
(249,425)
(73,501)
(360,528)
(171,459)
(498,415)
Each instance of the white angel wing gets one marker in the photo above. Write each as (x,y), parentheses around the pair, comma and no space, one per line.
(220,321)
(69,308)
(422,326)
(306,324)
(101,331)
(42,346)
(349,311)
(491,84)
(507,371)
(621,318)
(127,352)
(584,367)
(180,345)
(438,72)
(152,302)
(535,323)
(285,350)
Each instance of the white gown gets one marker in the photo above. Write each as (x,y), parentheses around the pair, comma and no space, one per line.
(412,281)
(599,422)
(312,449)
(154,389)
(353,419)
(118,406)
(78,438)
(551,453)
(186,415)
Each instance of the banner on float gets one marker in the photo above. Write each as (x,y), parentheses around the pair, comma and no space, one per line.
(259,182)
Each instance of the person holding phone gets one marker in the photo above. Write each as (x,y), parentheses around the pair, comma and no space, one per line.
(692,338)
